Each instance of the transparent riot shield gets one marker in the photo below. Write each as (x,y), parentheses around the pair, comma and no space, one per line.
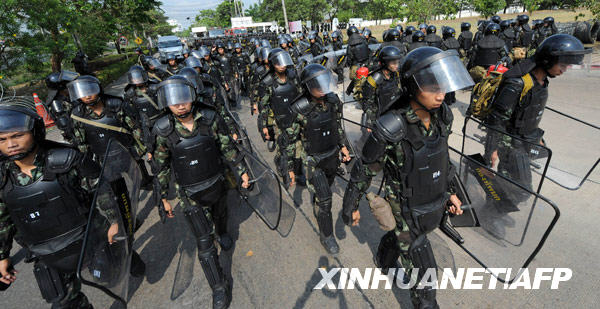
(523,161)
(575,146)
(103,264)
(497,211)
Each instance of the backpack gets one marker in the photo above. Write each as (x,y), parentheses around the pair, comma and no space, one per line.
(485,91)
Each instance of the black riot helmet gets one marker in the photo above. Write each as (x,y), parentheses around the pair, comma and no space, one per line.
(393,35)
(386,38)
(351,30)
(335,35)
(536,23)
(410,30)
(174,91)
(237,45)
(496,19)
(84,86)
(219,44)
(522,19)
(448,32)
(317,80)
(279,57)
(325,34)
(418,36)
(513,22)
(431,29)
(203,51)
(493,29)
(282,40)
(505,24)
(137,75)
(366,32)
(423,27)
(193,77)
(18,114)
(289,38)
(388,55)
(153,63)
(312,36)
(264,54)
(430,69)
(549,20)
(229,46)
(170,57)
(399,28)
(560,48)
(58,80)
(465,26)
(193,62)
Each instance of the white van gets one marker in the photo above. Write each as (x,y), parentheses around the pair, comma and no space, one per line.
(169,44)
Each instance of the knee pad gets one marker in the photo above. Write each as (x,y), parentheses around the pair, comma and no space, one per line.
(201,226)
(321,185)
(52,285)
(421,254)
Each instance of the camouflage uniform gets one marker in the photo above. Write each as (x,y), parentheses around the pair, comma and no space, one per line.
(162,155)
(394,158)
(295,134)
(8,229)
(370,103)
(128,121)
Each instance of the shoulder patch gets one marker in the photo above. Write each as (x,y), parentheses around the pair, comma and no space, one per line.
(60,160)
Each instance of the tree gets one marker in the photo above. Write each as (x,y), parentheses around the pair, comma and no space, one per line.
(531,5)
(217,17)
(488,8)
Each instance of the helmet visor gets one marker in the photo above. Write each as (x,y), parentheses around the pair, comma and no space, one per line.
(137,77)
(68,76)
(13,121)
(445,75)
(154,63)
(193,62)
(321,85)
(82,88)
(175,93)
(282,59)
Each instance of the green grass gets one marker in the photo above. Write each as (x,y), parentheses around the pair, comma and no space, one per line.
(115,70)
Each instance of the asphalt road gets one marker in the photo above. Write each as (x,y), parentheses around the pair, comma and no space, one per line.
(270,271)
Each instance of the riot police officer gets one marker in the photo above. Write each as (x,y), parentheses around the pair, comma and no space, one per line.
(357,52)
(507,33)
(418,40)
(173,66)
(315,47)
(410,30)
(281,88)
(465,38)
(227,73)
(191,143)
(140,94)
(410,144)
(45,195)
(383,87)
(154,69)
(318,125)
(58,103)
(369,36)
(450,43)
(393,38)
(432,39)
(519,114)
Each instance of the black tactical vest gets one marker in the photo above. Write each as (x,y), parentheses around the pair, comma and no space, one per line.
(425,168)
(467,39)
(321,131)
(359,48)
(488,52)
(414,45)
(434,40)
(45,209)
(225,64)
(97,138)
(283,96)
(143,105)
(527,117)
(389,91)
(451,43)
(195,159)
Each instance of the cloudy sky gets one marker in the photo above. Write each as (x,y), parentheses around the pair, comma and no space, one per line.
(181,9)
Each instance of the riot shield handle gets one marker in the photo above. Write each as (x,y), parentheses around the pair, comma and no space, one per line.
(447,228)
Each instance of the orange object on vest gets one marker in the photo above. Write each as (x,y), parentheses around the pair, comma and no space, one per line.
(362,72)
(41,110)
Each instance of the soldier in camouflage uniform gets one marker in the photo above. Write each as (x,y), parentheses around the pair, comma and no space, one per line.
(281,88)
(382,88)
(99,117)
(194,143)
(410,144)
(318,124)
(45,195)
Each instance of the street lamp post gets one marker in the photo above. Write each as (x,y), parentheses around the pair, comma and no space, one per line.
(287,26)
